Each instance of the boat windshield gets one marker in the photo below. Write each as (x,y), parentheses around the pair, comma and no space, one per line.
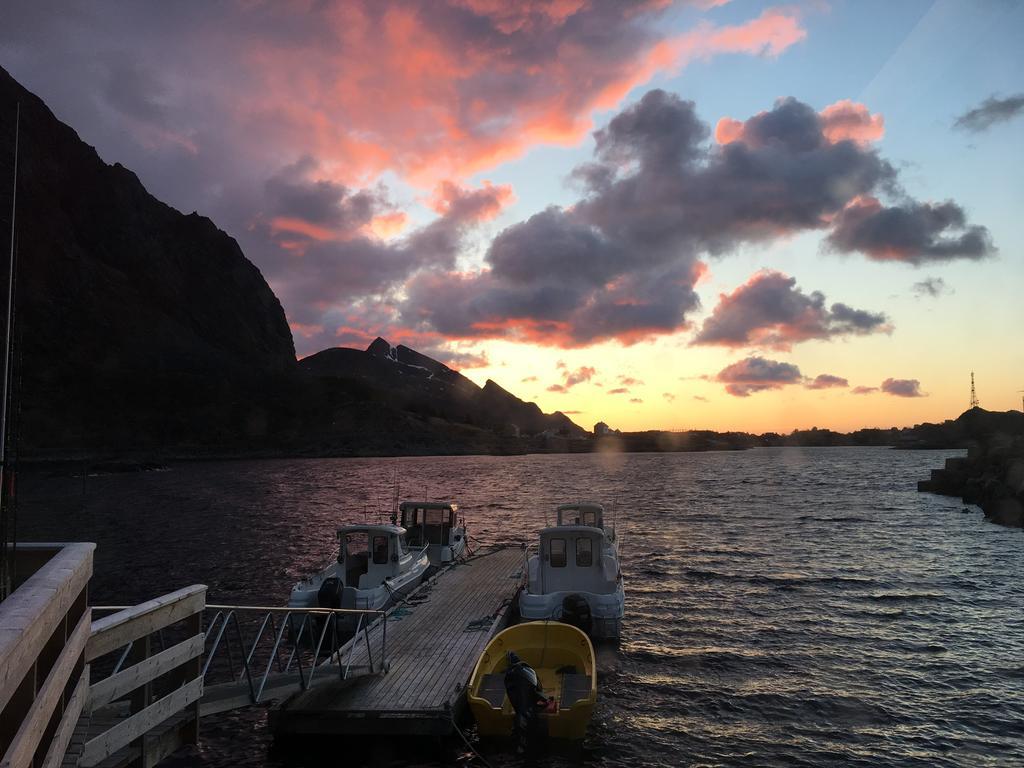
(581,517)
(427,526)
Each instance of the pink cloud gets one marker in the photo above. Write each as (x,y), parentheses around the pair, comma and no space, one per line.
(903,388)
(469,85)
(827,381)
(769,310)
(756,374)
(862,390)
(849,120)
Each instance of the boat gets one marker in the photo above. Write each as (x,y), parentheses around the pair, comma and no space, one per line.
(375,567)
(436,525)
(574,575)
(562,658)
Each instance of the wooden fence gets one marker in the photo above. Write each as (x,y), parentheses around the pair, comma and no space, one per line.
(50,715)
(159,692)
(44,630)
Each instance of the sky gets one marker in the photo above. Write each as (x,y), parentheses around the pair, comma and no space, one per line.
(710,214)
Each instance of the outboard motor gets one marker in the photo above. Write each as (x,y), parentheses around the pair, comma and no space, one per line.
(576,611)
(329,594)
(527,699)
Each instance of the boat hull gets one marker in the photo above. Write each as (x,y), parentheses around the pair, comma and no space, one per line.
(606,610)
(550,648)
(305,594)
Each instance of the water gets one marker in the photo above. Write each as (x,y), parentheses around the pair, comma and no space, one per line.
(785,607)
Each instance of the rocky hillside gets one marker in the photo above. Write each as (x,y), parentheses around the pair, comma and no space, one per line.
(139,325)
(405,380)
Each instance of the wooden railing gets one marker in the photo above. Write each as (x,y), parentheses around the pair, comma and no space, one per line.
(159,692)
(44,629)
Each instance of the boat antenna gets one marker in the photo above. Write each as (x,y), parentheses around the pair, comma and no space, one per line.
(7,498)
(394,494)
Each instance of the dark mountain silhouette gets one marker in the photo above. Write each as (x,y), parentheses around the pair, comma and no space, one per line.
(138,325)
(409,381)
(146,332)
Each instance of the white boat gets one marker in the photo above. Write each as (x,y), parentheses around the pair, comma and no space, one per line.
(436,525)
(375,566)
(574,576)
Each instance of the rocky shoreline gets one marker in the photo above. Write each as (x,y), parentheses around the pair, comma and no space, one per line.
(990,476)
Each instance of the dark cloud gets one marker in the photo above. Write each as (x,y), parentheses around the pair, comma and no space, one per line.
(991,111)
(912,232)
(295,193)
(861,390)
(668,396)
(700,398)
(622,263)
(629,381)
(756,374)
(827,381)
(931,286)
(336,259)
(902,387)
(618,391)
(528,379)
(636,399)
(770,311)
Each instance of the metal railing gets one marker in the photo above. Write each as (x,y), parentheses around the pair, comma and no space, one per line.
(303,641)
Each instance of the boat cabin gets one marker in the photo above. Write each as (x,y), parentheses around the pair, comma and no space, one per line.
(583,513)
(372,553)
(435,525)
(573,558)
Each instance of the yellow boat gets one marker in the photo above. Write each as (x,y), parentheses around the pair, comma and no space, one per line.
(563,658)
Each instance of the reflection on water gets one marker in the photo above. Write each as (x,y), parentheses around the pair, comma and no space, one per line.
(784,606)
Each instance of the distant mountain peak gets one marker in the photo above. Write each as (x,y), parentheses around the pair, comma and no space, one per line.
(381,347)
(411,380)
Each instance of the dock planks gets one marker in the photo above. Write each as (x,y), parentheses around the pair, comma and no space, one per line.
(432,647)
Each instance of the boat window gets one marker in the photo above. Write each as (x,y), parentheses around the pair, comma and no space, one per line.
(403,545)
(590,518)
(380,550)
(436,517)
(556,547)
(584,552)
(355,545)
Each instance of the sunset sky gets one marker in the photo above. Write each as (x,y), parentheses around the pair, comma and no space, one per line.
(705,214)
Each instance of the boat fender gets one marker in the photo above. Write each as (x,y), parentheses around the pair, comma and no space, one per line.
(329,594)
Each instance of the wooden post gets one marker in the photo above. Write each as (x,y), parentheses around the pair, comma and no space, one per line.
(192,670)
(141,698)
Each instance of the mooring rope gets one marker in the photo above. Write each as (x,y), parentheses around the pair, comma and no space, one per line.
(471,747)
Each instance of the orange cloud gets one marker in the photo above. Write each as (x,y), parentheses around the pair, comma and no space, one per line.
(436,95)
(299,226)
(388,224)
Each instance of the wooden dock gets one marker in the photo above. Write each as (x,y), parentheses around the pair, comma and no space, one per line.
(433,642)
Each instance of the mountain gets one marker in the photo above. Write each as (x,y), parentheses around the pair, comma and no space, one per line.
(139,326)
(407,380)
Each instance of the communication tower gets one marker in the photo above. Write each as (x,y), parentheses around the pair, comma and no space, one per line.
(974,397)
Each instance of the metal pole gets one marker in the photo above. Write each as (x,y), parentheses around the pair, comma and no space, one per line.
(10,293)
(6,526)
